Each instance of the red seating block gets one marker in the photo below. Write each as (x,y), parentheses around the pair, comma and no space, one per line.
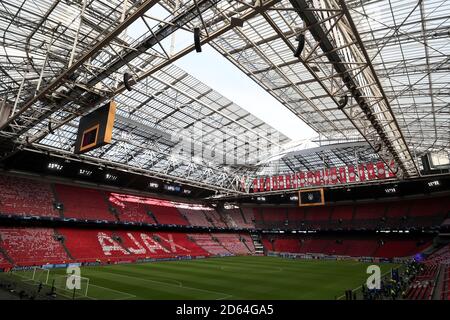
(3,262)
(205,241)
(165,213)
(32,246)
(26,197)
(112,246)
(83,203)
(130,208)
(342,212)
(235,218)
(195,217)
(233,243)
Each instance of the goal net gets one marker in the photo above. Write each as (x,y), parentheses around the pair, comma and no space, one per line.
(36,274)
(70,286)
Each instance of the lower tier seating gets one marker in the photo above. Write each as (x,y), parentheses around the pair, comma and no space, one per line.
(112,246)
(205,241)
(446,284)
(3,262)
(345,246)
(32,246)
(233,243)
(399,248)
(39,246)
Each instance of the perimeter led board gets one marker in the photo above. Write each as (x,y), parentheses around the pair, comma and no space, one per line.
(95,128)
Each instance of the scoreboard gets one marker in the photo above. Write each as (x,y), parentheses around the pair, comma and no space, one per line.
(95,128)
(311,197)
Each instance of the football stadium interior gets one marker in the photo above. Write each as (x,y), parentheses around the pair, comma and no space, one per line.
(125,174)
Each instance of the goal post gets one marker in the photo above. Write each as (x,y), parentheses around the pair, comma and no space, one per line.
(35,274)
(71,285)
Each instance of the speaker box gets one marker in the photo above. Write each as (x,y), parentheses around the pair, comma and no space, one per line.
(197,44)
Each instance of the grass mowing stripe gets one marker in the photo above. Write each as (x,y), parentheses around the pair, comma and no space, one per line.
(179,287)
(244,277)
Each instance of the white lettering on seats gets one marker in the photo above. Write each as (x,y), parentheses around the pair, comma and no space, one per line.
(111,246)
(173,245)
(151,244)
(140,249)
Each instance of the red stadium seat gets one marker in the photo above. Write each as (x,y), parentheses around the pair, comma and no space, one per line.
(166,213)
(195,217)
(131,208)
(26,197)
(233,243)
(32,246)
(83,203)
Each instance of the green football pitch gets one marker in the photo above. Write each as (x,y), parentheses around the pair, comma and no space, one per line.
(218,279)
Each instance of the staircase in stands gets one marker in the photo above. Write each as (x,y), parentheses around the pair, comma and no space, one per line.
(6,256)
(60,236)
(259,248)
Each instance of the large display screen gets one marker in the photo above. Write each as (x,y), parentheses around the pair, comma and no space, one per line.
(311,197)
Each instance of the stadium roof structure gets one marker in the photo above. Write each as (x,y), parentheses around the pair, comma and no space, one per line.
(371,76)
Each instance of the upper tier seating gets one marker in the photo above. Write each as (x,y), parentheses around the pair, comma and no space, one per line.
(32,246)
(130,208)
(342,213)
(249,216)
(166,214)
(195,217)
(373,211)
(274,214)
(295,217)
(235,219)
(83,203)
(215,218)
(397,209)
(26,197)
(318,214)
(427,208)
(233,243)
(205,241)
(390,214)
